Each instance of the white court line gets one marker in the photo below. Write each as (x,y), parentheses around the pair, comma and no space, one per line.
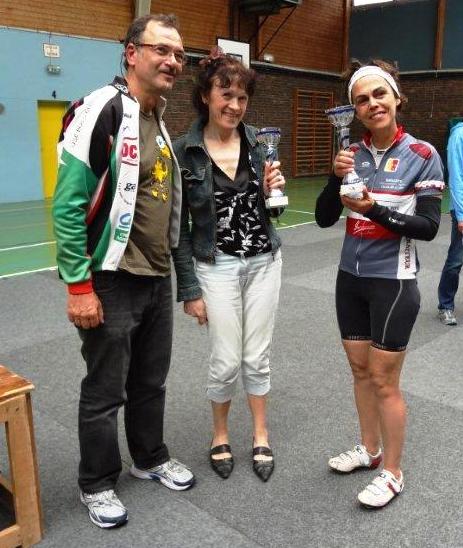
(301,224)
(298,211)
(45,206)
(28,272)
(25,246)
(293,226)
(55,267)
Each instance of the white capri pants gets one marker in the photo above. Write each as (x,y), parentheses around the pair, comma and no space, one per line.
(241,296)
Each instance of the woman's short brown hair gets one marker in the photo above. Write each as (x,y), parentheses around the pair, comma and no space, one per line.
(226,69)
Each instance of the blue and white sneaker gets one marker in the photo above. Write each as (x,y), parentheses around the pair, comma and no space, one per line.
(105,509)
(172,474)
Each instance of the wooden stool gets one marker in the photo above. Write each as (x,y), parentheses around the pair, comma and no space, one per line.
(16,413)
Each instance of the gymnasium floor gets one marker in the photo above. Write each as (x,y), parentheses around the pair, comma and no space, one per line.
(27,242)
(311,416)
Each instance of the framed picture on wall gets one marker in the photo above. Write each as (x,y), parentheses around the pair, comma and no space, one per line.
(239,50)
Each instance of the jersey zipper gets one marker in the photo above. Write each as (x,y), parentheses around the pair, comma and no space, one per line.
(371,185)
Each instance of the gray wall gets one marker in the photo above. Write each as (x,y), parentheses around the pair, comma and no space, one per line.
(403,32)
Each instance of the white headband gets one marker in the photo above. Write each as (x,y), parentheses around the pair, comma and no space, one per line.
(371,70)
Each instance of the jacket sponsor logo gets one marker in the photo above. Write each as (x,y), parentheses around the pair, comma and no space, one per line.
(121,233)
(130,151)
(392,165)
(125,219)
(365,164)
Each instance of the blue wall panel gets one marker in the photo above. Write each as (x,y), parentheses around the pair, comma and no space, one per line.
(85,65)
(20,165)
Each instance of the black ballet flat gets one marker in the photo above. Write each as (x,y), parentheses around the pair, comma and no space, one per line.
(263,468)
(222,467)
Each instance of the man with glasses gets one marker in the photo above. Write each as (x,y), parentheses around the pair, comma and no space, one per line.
(116,213)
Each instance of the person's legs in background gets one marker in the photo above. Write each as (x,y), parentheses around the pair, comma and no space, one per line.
(450,277)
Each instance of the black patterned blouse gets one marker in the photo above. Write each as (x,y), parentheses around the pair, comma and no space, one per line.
(240,230)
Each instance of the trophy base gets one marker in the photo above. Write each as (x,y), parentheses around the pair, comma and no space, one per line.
(352,190)
(276,201)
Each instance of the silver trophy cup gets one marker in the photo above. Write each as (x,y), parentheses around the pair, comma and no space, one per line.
(341,117)
(270,137)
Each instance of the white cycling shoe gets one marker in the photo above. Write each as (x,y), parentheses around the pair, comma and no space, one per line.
(354,459)
(381,490)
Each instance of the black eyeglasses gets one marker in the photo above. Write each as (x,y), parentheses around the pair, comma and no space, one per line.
(165,51)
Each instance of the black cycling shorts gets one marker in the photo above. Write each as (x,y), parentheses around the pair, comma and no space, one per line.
(377,309)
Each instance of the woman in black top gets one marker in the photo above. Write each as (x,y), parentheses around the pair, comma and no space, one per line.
(233,284)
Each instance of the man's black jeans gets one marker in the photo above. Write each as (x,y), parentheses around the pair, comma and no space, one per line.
(128,358)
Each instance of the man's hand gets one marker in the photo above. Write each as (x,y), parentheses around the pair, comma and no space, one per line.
(85,310)
(197,309)
(362,205)
(273,178)
(460,227)
(343,163)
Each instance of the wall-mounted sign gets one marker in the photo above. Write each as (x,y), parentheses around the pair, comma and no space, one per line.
(240,50)
(53,69)
(51,50)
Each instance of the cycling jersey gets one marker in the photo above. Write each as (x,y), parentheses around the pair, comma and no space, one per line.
(407,187)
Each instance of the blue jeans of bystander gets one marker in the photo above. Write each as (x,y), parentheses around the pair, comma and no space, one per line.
(448,285)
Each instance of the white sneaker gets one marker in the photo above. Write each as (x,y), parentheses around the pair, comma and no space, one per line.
(357,458)
(104,508)
(447,316)
(172,474)
(382,490)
